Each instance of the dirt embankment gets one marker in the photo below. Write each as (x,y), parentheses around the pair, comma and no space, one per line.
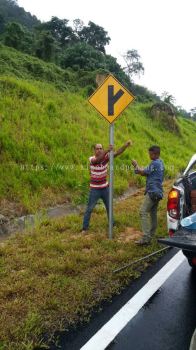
(13,217)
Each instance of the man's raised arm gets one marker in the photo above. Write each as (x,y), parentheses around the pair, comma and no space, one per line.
(123,148)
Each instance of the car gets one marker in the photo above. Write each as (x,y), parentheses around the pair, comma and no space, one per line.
(180,205)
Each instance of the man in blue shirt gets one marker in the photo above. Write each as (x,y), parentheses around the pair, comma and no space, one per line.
(153,193)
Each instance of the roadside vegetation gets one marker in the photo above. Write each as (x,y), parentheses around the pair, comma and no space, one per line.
(47,135)
(52,277)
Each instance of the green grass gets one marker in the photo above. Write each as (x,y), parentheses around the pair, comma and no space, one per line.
(46,137)
(52,277)
(47,132)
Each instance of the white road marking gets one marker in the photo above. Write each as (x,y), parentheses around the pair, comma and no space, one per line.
(113,327)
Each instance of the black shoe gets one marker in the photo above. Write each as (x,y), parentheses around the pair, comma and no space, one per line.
(143,241)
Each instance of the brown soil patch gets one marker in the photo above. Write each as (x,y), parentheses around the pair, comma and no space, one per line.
(11,209)
(130,234)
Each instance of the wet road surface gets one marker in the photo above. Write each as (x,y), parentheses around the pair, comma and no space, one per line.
(166,321)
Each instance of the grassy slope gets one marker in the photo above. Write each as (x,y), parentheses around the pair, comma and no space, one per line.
(22,66)
(46,137)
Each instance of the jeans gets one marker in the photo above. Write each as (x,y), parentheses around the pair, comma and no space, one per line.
(94,195)
(148,214)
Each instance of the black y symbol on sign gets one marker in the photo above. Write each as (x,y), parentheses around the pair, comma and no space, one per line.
(112,99)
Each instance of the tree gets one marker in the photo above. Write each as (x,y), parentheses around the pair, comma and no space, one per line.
(193,113)
(45,47)
(143,94)
(95,36)
(114,67)
(18,37)
(82,56)
(11,12)
(2,23)
(78,26)
(183,113)
(133,64)
(168,98)
(14,35)
(59,29)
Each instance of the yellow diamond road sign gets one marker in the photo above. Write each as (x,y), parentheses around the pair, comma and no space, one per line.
(111,98)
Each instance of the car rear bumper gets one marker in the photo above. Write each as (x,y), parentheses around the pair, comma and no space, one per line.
(183,239)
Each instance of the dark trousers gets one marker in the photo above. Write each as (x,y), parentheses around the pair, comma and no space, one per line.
(94,195)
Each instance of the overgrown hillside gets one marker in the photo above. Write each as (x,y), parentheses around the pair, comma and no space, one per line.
(48,129)
(10,11)
(16,64)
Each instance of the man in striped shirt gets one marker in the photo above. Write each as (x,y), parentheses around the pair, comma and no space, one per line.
(98,180)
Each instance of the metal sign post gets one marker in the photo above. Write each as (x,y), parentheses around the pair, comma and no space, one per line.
(110,100)
(111,219)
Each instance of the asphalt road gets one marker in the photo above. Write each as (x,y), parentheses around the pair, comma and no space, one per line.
(167,321)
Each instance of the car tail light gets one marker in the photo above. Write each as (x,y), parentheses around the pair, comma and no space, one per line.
(171,232)
(194,261)
(173,204)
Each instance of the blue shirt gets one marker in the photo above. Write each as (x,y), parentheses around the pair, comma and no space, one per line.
(154,177)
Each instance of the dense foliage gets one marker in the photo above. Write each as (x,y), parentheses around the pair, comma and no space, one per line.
(11,12)
(78,47)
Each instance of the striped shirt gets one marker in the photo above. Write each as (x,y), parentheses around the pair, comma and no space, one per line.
(98,173)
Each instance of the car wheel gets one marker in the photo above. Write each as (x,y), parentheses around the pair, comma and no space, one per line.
(190,261)
(191,257)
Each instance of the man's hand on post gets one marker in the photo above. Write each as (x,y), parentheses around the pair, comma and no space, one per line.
(110,148)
